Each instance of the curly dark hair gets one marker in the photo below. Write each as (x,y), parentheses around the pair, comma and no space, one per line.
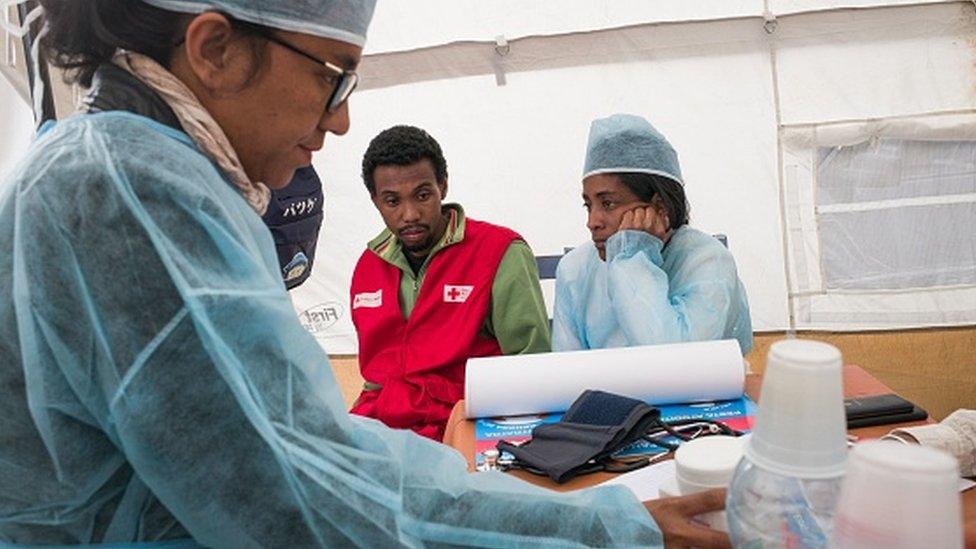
(402,146)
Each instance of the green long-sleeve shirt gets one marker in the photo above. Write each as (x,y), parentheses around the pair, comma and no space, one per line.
(517,317)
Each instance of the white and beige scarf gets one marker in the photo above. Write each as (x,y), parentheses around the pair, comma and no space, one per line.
(197,123)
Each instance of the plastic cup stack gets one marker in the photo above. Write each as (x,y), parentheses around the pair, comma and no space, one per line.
(785,491)
(898,495)
(800,427)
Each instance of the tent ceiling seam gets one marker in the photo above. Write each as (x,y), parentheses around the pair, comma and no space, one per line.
(510,42)
(876,119)
(765,17)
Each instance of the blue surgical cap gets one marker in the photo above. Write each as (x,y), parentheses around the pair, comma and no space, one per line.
(628,143)
(343,20)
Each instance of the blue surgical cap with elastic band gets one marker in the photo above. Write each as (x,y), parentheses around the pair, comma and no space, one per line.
(343,20)
(628,143)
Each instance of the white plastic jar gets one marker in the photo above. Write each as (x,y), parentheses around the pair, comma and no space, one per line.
(704,464)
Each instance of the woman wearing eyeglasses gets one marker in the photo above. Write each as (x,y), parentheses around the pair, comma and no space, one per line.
(155,383)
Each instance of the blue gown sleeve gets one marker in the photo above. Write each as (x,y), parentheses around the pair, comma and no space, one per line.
(162,315)
(565,331)
(692,304)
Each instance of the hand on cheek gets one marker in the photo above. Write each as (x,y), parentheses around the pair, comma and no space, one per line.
(627,222)
(651,219)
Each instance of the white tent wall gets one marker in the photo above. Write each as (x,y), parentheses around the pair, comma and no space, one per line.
(876,64)
(790,7)
(11,64)
(513,124)
(821,308)
(396,25)
(17,123)
(903,74)
(402,26)
(16,114)
(16,118)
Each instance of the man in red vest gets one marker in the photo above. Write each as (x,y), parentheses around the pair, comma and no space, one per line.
(433,289)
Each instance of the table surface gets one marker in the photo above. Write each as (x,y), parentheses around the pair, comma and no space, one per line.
(857,383)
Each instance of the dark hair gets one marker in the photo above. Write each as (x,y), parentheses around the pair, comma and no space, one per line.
(83,34)
(672,194)
(402,146)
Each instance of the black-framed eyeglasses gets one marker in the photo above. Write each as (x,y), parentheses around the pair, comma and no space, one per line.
(347,79)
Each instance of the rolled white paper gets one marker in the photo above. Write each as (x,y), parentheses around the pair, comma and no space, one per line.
(657,374)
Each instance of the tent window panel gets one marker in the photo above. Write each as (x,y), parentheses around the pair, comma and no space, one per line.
(895,169)
(899,248)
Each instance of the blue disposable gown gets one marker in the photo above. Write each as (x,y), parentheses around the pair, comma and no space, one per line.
(645,295)
(156,384)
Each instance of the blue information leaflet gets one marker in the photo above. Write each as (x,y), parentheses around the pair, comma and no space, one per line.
(736,414)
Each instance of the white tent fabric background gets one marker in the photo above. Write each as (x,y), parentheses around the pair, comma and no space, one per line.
(752,93)
(402,26)
(16,127)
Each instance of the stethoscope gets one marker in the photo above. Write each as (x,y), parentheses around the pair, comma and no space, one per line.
(658,435)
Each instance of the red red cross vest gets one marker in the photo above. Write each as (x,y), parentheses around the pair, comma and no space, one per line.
(419,362)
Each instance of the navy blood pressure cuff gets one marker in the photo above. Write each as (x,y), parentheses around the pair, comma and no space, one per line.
(595,426)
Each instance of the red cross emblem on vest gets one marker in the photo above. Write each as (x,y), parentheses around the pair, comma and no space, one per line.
(456,294)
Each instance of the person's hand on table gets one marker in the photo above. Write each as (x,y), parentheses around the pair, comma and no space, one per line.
(651,218)
(674,518)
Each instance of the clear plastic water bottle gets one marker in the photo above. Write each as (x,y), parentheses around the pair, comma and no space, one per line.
(767,509)
(785,490)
